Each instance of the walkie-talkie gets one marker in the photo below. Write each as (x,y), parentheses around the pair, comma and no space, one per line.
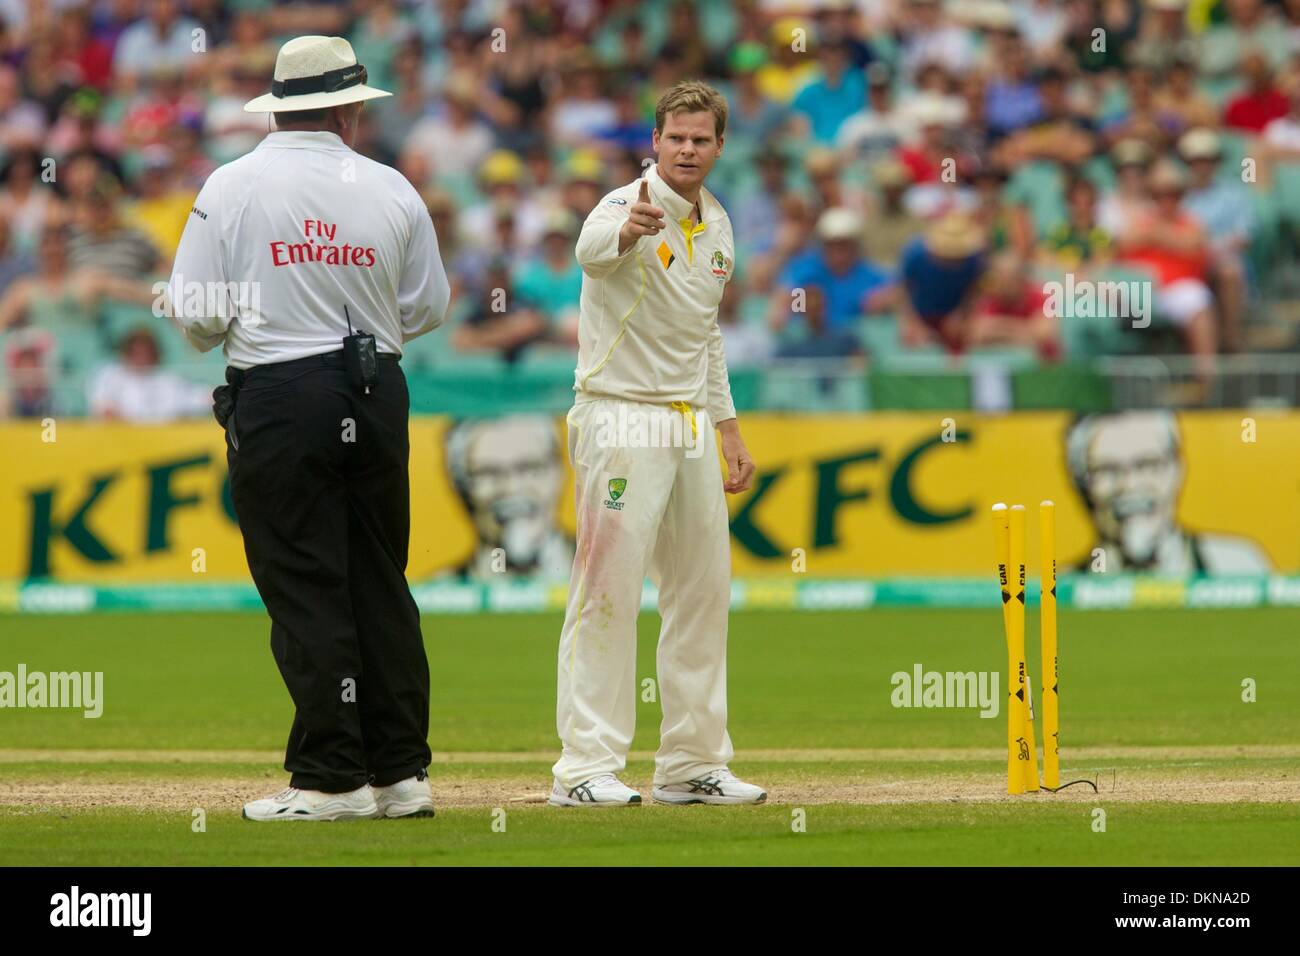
(360,357)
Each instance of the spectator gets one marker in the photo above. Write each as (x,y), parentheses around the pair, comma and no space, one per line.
(14,263)
(820,339)
(851,286)
(28,357)
(1120,208)
(100,240)
(501,179)
(834,96)
(551,283)
(878,129)
(1011,309)
(163,205)
(1169,243)
(929,36)
(940,273)
(25,201)
(136,389)
(22,122)
(163,40)
(746,344)
(892,224)
(1080,242)
(500,320)
(1260,103)
(1282,135)
(1223,208)
(454,141)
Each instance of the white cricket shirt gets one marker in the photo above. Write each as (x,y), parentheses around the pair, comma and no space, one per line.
(280,240)
(648,319)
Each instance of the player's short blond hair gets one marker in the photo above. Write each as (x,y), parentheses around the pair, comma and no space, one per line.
(692,96)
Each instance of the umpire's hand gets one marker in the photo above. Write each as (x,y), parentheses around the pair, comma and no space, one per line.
(643,219)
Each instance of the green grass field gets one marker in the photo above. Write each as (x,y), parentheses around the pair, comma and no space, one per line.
(195,717)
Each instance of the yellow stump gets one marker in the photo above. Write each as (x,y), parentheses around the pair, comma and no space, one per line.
(1028,752)
(1015,776)
(1047,636)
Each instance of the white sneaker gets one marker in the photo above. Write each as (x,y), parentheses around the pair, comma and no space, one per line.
(605,790)
(406,798)
(716,786)
(294,804)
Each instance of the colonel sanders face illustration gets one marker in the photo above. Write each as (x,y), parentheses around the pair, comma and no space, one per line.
(508,471)
(1130,472)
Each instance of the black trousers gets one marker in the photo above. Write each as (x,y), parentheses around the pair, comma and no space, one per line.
(326,525)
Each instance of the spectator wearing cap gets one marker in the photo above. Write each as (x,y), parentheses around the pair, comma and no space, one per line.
(135,388)
(851,285)
(453,141)
(1168,242)
(826,176)
(940,273)
(1122,206)
(835,95)
(892,224)
(163,40)
(501,180)
(1223,207)
(1260,102)
(754,119)
(551,282)
(1162,35)
(879,127)
(786,70)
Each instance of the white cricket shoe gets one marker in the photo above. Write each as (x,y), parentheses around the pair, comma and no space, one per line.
(605,790)
(406,798)
(294,804)
(716,786)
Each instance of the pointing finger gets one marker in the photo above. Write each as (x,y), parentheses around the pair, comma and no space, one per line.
(644,195)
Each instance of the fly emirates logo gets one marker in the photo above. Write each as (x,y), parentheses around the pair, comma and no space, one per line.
(319,245)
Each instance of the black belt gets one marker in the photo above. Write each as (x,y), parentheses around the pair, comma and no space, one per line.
(224,396)
(237,376)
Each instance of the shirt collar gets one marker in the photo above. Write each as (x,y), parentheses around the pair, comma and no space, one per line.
(302,139)
(677,207)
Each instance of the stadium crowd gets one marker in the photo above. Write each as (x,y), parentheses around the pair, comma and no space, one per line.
(903,176)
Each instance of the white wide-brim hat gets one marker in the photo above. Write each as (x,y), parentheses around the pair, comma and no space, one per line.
(312,73)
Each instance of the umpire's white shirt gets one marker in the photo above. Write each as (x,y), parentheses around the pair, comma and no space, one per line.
(280,240)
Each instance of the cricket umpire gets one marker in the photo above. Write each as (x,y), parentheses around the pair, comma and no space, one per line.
(311,265)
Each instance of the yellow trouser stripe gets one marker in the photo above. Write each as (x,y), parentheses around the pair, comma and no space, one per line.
(684,408)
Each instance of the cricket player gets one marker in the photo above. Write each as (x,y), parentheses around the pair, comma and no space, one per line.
(656,255)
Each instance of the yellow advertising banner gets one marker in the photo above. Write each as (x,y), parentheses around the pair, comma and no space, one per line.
(870,495)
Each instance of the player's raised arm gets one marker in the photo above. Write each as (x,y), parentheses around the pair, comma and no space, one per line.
(612,230)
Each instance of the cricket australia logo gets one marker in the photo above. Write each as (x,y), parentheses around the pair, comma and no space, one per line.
(719,265)
(616,488)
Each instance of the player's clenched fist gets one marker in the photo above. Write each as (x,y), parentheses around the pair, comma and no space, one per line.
(643,219)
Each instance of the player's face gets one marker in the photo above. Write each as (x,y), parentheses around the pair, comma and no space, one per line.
(687,148)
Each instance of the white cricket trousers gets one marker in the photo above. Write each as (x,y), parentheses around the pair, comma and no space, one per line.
(659,511)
